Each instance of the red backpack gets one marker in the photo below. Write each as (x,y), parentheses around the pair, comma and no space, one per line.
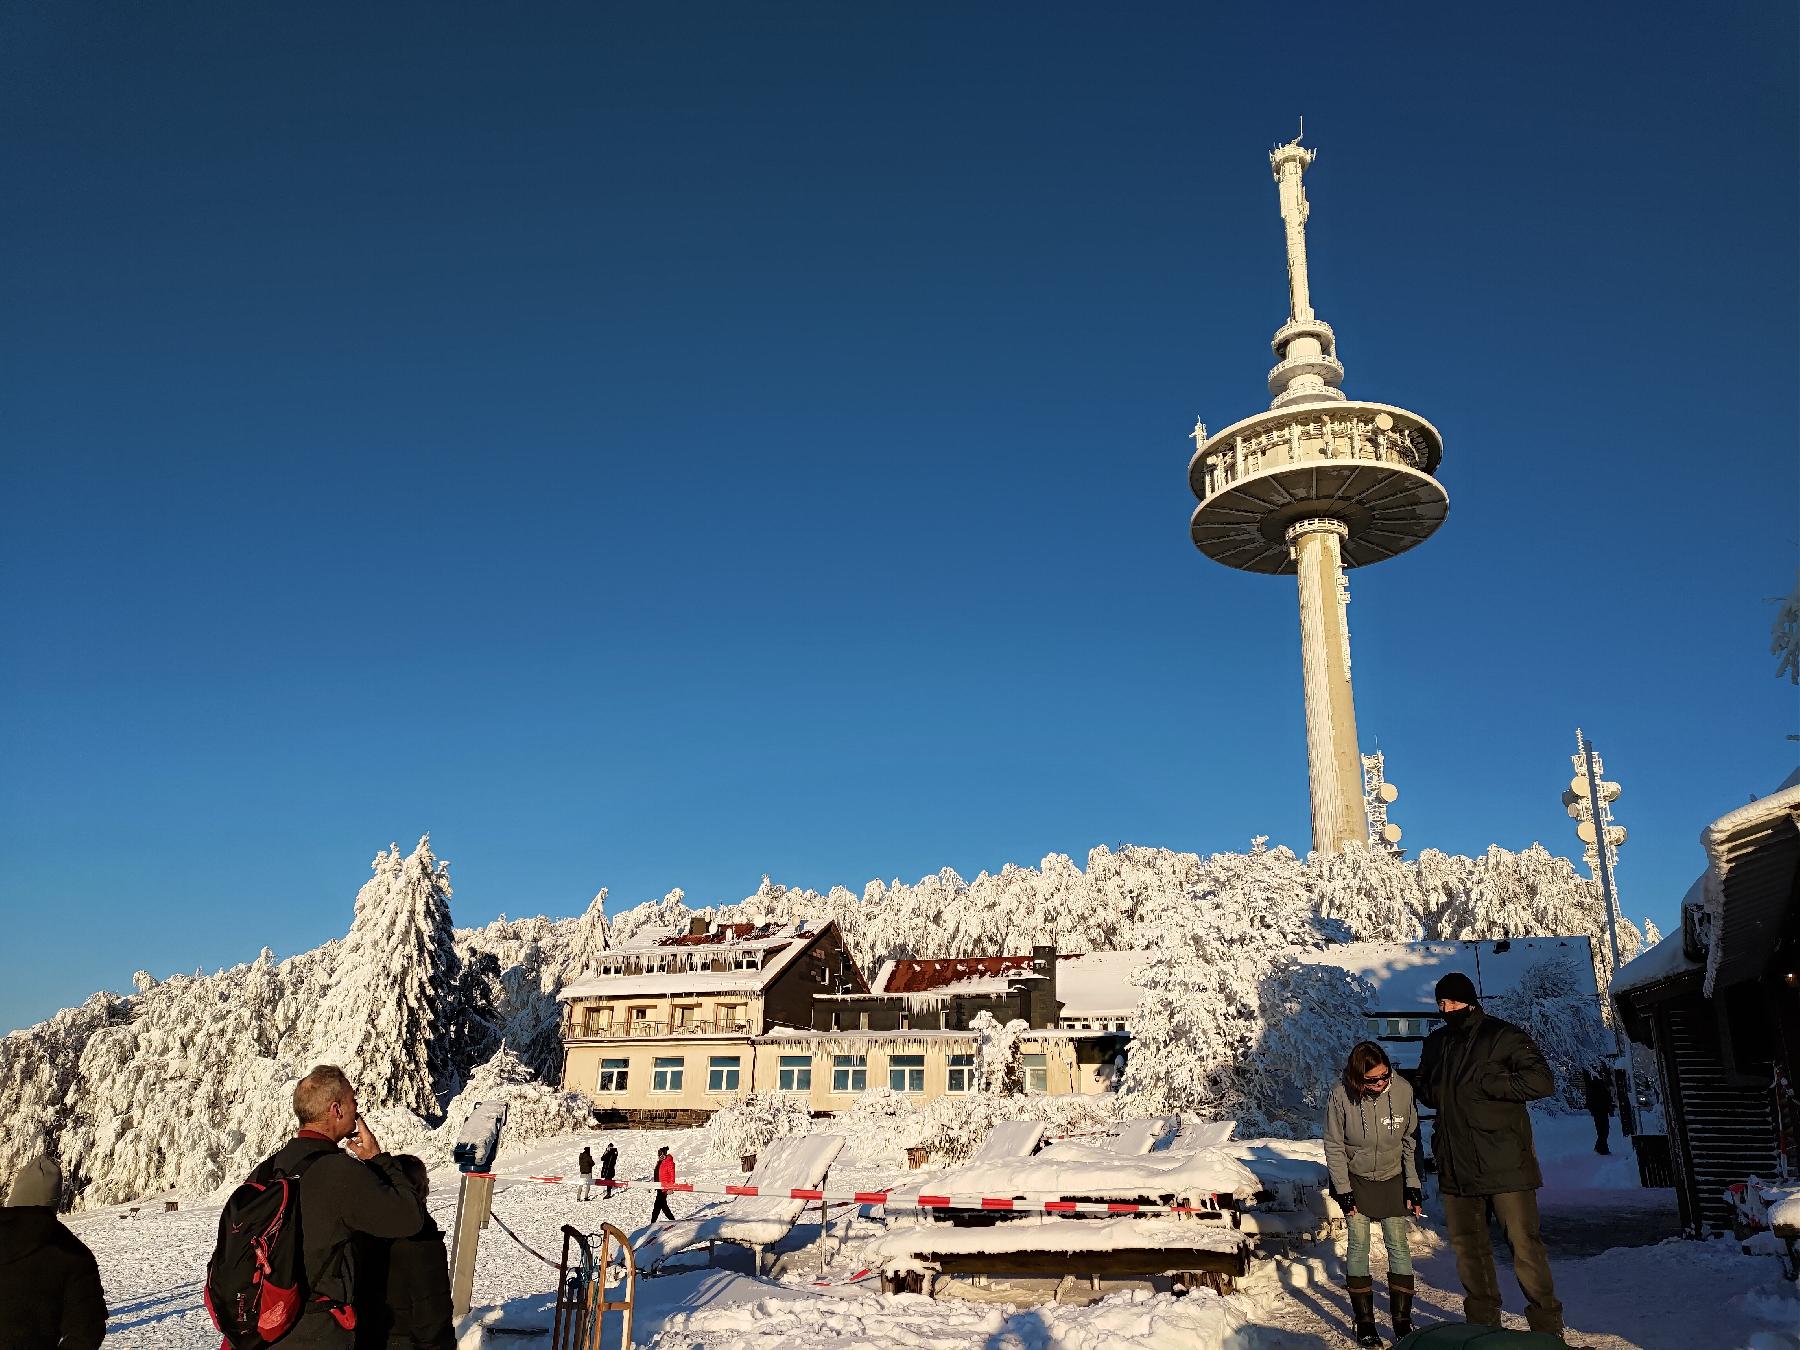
(256,1280)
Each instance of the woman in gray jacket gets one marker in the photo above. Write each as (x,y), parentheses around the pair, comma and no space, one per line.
(1371,1151)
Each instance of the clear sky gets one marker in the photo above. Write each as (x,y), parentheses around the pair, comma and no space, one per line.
(654,446)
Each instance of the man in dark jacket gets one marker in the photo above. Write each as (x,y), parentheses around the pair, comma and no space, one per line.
(609,1165)
(1597,1090)
(1479,1072)
(403,1287)
(342,1194)
(50,1295)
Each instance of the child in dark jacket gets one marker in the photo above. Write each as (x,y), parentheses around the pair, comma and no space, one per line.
(403,1286)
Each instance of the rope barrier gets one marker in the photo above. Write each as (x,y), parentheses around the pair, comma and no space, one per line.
(554,1265)
(1209,1206)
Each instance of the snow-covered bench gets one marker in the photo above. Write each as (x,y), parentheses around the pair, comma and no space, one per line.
(1006,1140)
(1189,1250)
(1029,1216)
(754,1221)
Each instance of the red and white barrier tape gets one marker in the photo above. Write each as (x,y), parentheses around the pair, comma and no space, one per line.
(1210,1207)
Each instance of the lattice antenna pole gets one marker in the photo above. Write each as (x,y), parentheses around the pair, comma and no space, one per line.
(1378,795)
(1589,802)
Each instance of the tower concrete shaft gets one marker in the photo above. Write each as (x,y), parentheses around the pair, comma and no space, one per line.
(1316,485)
(1334,761)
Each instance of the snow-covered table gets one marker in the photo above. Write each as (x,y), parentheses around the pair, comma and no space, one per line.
(753,1221)
(1194,1251)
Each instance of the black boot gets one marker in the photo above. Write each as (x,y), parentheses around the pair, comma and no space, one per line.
(1362,1308)
(1400,1294)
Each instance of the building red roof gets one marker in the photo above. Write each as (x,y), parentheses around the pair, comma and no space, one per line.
(918,977)
(718,933)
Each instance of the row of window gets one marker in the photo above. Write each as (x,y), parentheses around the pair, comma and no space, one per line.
(849,1073)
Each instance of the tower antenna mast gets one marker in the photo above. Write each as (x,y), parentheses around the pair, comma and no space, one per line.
(1314,486)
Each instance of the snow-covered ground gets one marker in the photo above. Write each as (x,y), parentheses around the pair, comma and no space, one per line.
(1661,1296)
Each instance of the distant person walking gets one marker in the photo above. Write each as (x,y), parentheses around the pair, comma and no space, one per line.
(585,1165)
(1597,1090)
(342,1193)
(665,1178)
(50,1295)
(1479,1072)
(1371,1153)
(403,1286)
(609,1165)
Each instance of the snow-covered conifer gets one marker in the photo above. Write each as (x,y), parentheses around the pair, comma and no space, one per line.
(390,1018)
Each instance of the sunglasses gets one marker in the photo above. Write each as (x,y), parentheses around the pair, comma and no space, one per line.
(1375,1079)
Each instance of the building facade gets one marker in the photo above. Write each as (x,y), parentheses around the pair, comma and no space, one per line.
(675,1026)
(664,1032)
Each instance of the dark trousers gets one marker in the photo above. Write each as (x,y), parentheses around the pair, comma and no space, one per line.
(661,1207)
(1602,1128)
(1466,1216)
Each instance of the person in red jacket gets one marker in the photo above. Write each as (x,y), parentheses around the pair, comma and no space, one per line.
(665,1177)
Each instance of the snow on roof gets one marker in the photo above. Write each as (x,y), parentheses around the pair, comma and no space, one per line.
(1751,852)
(684,968)
(1662,962)
(1404,973)
(1098,984)
(960,974)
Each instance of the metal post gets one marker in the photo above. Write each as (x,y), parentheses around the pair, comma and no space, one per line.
(474,1202)
(1603,871)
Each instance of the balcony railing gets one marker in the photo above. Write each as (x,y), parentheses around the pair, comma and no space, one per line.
(621,1030)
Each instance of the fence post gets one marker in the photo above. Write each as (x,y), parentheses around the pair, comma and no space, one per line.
(473,1205)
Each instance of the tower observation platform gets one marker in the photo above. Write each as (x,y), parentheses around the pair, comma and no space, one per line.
(1316,485)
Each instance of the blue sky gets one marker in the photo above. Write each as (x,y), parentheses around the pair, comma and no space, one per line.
(655,447)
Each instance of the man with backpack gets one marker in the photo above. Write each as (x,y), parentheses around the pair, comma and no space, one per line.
(50,1295)
(585,1165)
(294,1219)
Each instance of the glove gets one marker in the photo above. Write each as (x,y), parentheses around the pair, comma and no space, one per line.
(1415,1198)
(1347,1203)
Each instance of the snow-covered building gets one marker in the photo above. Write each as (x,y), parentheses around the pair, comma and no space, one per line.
(663,1030)
(1403,1010)
(913,1029)
(1719,1002)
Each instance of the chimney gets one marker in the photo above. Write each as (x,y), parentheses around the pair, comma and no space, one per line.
(697,926)
(1045,1007)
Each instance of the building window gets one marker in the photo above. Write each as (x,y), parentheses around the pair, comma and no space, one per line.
(613,1074)
(731,1016)
(722,1073)
(906,1073)
(684,1015)
(862,1021)
(962,1073)
(796,1073)
(849,1073)
(666,1074)
(1037,1073)
(597,1021)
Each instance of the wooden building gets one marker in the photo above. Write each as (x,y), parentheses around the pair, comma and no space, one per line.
(1719,1002)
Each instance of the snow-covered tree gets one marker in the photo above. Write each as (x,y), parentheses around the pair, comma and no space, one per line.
(999,1054)
(1784,637)
(390,1021)
(1554,1009)
(748,1124)
(1232,1025)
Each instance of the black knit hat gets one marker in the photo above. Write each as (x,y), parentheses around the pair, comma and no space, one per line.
(1457,987)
